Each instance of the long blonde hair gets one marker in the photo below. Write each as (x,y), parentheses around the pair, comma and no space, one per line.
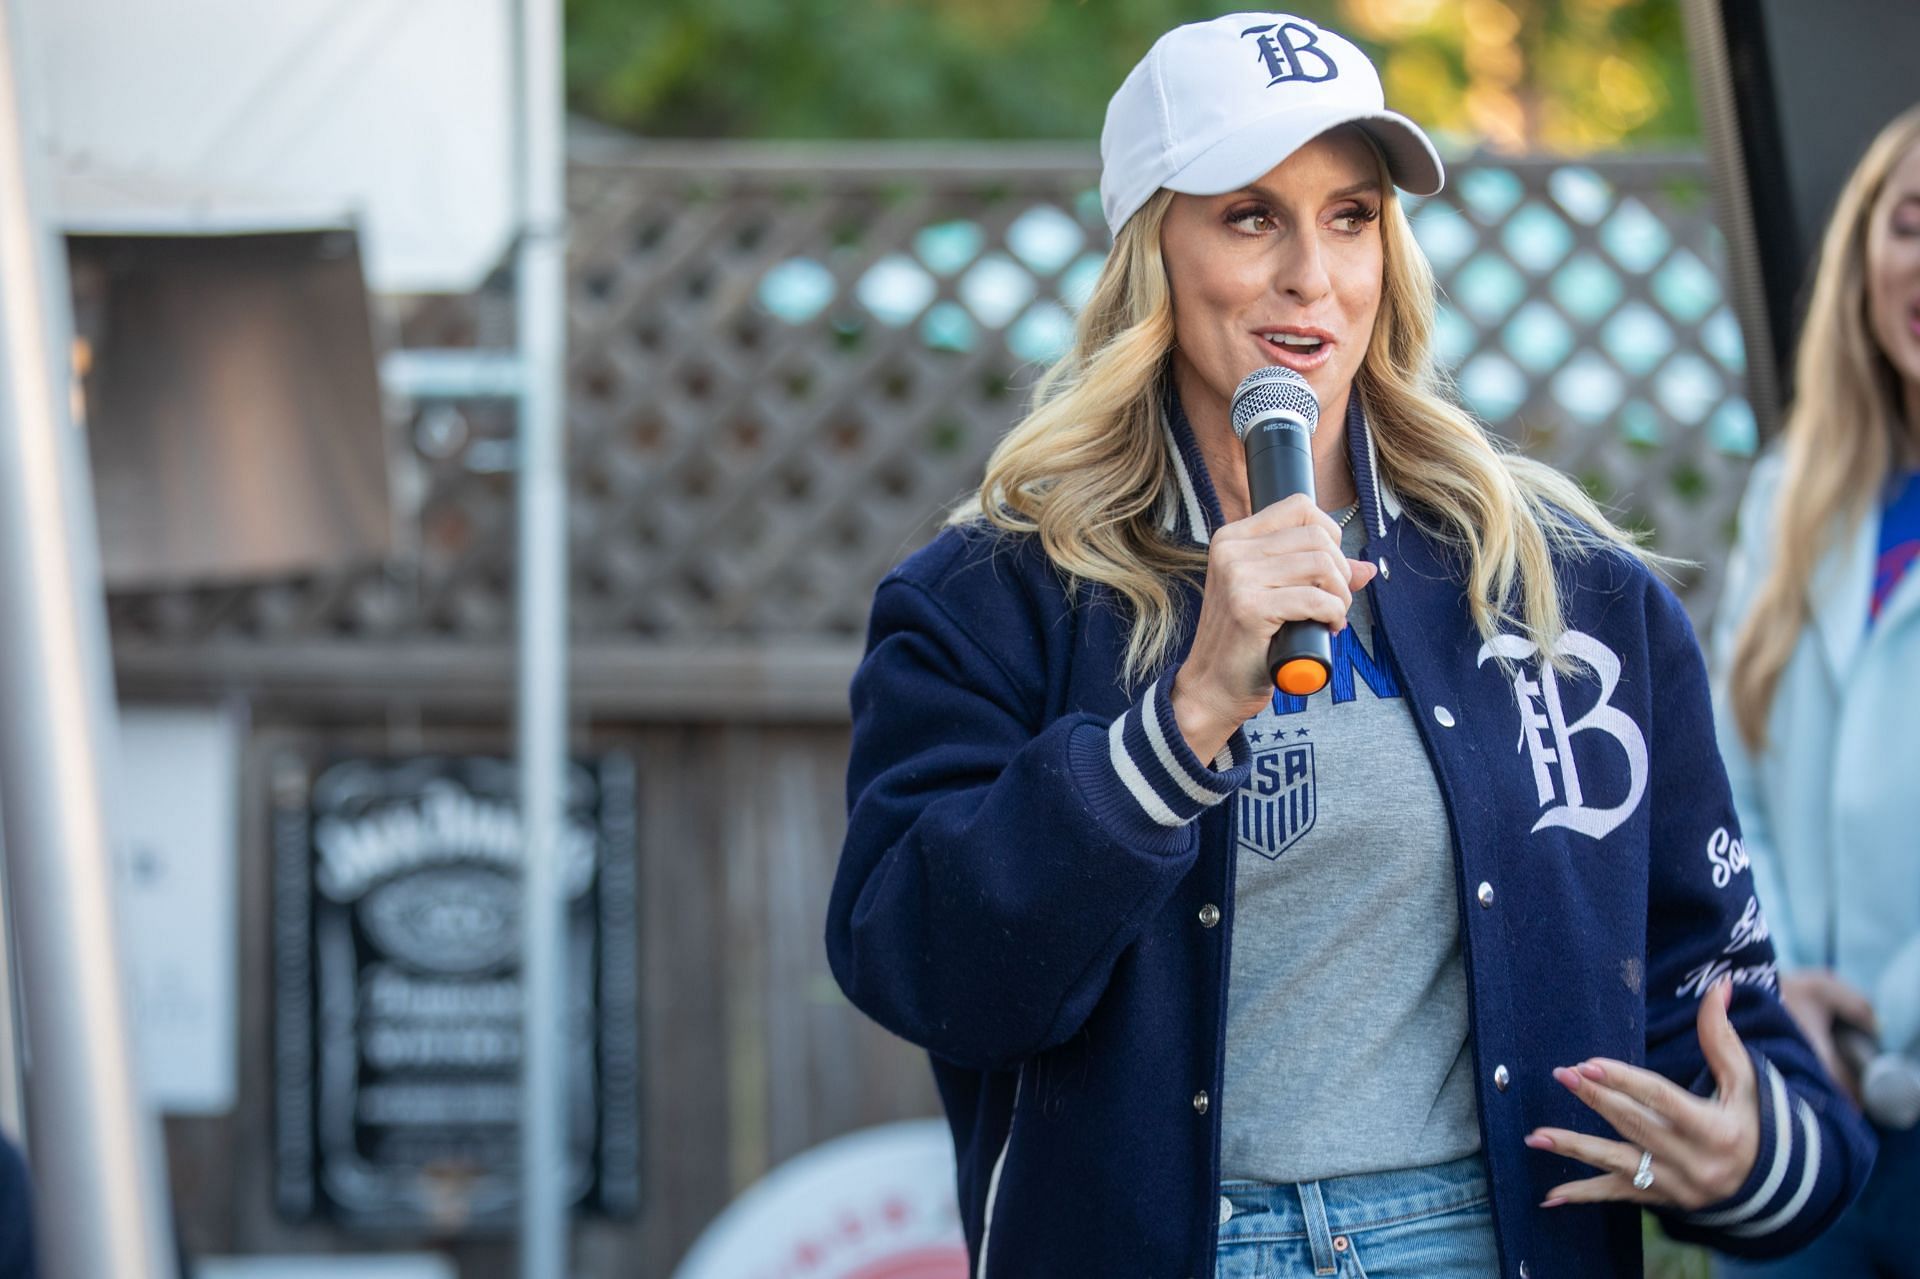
(1086,469)
(1839,438)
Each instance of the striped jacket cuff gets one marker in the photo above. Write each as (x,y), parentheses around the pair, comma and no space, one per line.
(1791,1182)
(1143,779)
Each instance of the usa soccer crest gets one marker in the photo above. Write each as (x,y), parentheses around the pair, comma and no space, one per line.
(1279,801)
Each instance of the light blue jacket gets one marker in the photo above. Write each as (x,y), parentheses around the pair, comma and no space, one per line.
(1830,810)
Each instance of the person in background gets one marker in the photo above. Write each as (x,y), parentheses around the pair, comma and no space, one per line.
(16,1215)
(1817,660)
(1427,973)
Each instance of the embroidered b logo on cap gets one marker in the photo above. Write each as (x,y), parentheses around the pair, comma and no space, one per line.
(1292,51)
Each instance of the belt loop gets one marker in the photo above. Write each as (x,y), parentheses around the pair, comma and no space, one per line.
(1319,1236)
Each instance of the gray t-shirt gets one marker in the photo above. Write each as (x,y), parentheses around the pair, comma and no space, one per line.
(1347,1037)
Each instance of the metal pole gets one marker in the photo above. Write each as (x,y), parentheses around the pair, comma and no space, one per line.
(540,298)
(101,1202)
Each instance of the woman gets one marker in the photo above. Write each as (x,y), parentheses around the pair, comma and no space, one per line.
(1387,1008)
(1818,644)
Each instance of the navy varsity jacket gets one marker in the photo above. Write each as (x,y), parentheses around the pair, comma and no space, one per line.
(1037,888)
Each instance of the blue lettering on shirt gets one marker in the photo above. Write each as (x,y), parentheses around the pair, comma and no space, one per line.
(1350,658)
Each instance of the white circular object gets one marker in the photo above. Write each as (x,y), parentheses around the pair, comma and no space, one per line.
(875,1204)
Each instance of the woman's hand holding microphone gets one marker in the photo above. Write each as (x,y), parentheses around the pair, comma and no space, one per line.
(1279,565)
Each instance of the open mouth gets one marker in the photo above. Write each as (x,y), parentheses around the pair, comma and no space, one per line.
(1297,350)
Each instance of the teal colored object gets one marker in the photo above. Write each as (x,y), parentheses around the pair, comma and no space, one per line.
(1487,288)
(1688,388)
(1537,337)
(1685,287)
(1584,194)
(1586,287)
(1043,334)
(797,290)
(1536,238)
(1723,339)
(946,247)
(1588,388)
(1635,237)
(948,327)
(1045,238)
(1453,337)
(1732,429)
(1445,236)
(1493,386)
(1637,338)
(1490,194)
(895,290)
(1639,423)
(995,289)
(1076,285)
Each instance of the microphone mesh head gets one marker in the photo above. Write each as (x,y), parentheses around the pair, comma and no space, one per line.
(1890,1090)
(1265,392)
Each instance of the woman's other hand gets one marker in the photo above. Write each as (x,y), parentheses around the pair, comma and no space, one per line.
(1283,564)
(1817,998)
(1703,1148)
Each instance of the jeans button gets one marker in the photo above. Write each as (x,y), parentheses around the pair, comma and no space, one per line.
(1226,1210)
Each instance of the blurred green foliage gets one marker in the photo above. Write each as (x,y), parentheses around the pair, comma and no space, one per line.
(1560,75)
(1669,1260)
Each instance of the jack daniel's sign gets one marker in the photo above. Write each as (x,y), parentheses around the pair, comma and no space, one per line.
(397,991)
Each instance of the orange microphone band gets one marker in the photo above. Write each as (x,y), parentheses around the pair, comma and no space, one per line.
(1302,676)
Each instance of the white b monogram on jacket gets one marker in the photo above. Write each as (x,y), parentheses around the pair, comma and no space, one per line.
(1542,714)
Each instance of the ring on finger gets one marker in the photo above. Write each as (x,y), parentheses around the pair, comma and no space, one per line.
(1643,1175)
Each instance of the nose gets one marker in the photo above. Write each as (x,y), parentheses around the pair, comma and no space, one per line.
(1301,275)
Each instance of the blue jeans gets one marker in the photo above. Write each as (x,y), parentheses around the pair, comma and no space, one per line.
(1417,1223)
(1877,1238)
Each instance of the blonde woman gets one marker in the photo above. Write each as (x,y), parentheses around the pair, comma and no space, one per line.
(1428,974)
(1818,647)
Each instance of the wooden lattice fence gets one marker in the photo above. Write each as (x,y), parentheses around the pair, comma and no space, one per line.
(787,362)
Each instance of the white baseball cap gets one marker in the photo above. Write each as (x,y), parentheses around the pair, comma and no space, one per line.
(1214,105)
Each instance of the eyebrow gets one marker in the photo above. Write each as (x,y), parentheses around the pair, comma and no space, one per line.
(1358,188)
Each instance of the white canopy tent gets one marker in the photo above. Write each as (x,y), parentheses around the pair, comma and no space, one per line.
(226,116)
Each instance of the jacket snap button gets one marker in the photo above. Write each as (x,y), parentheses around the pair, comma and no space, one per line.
(1384,571)
(1501,1078)
(1209,915)
(1524,1272)
(1443,715)
(1484,893)
(1200,1102)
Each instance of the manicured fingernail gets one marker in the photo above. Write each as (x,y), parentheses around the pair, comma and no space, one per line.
(1539,1141)
(1593,1071)
(1568,1077)
(1726,992)
(1554,1202)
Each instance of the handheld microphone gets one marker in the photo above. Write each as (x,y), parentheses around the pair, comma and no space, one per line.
(1274,415)
(1889,1081)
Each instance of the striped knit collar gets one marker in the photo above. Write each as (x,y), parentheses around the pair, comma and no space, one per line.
(1191,503)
